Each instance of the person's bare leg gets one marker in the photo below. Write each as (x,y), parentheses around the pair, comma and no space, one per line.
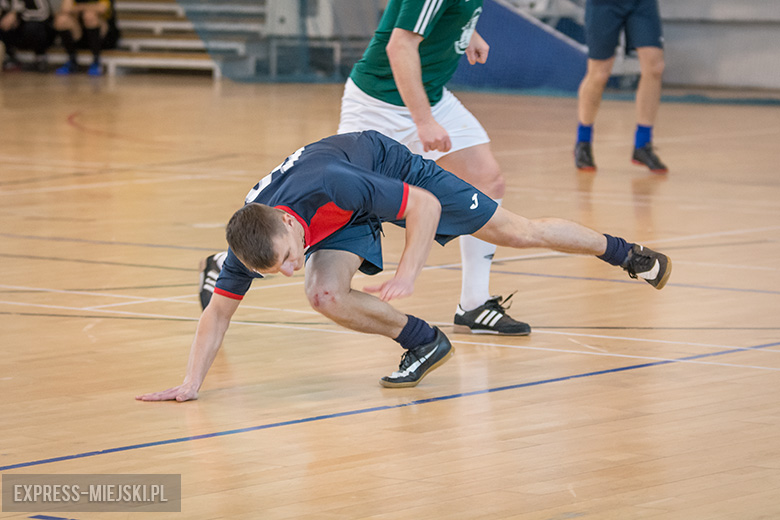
(648,94)
(592,89)
(477,166)
(328,287)
(648,98)
(508,229)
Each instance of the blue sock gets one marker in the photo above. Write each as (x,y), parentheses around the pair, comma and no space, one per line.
(584,133)
(415,333)
(617,250)
(644,135)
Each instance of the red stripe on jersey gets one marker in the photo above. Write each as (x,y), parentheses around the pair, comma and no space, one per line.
(223,292)
(328,219)
(404,200)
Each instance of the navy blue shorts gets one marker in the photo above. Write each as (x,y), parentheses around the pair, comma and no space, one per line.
(464,210)
(604,20)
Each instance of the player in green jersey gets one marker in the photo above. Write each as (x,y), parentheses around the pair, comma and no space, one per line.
(397,88)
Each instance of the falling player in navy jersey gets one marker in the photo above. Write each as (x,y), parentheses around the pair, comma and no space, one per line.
(324,207)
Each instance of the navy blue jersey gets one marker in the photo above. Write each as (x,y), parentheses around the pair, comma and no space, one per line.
(355,180)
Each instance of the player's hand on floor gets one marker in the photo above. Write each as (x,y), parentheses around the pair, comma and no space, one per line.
(179,393)
(392,289)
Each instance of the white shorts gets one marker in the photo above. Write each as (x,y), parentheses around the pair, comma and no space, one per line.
(359,112)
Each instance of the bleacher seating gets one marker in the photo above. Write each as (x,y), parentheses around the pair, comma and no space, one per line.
(241,39)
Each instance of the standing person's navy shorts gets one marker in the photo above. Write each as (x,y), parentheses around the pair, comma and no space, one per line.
(604,20)
(464,210)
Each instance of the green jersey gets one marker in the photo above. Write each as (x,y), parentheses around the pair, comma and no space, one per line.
(445,25)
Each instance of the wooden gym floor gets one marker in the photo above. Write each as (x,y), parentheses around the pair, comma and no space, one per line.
(624,403)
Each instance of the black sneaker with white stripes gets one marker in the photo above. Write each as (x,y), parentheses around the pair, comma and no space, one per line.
(417,362)
(652,267)
(490,318)
(209,272)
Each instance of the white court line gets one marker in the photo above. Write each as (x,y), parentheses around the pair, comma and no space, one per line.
(106,184)
(727,266)
(99,166)
(644,358)
(662,341)
(617,198)
(65,291)
(139,299)
(719,234)
(180,318)
(516,347)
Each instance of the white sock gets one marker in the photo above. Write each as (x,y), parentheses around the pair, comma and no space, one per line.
(476,257)
(219,258)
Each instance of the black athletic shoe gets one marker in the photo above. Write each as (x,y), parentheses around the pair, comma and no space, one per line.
(583,157)
(646,156)
(490,318)
(645,263)
(11,64)
(416,363)
(209,272)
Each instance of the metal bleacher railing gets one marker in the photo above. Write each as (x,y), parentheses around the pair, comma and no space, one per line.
(244,39)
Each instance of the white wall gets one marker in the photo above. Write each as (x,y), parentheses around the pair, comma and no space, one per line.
(722,43)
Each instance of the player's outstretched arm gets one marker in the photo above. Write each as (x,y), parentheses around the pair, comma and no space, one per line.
(422,218)
(212,326)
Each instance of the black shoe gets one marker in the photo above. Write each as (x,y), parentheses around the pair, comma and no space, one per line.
(11,64)
(646,156)
(490,318)
(583,157)
(41,64)
(645,263)
(209,272)
(416,363)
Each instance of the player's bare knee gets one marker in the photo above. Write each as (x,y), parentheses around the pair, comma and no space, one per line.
(91,19)
(490,180)
(598,76)
(63,22)
(655,70)
(326,299)
(498,185)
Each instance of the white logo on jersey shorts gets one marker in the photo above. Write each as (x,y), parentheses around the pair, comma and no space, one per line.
(468,30)
(476,202)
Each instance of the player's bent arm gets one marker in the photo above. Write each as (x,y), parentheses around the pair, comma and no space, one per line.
(422,219)
(212,326)
(404,55)
(403,52)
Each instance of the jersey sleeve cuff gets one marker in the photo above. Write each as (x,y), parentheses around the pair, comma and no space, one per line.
(227,294)
(404,200)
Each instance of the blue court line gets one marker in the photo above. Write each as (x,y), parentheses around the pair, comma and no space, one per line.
(382,408)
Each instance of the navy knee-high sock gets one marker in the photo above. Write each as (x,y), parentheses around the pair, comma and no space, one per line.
(416,332)
(94,41)
(69,43)
(617,250)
